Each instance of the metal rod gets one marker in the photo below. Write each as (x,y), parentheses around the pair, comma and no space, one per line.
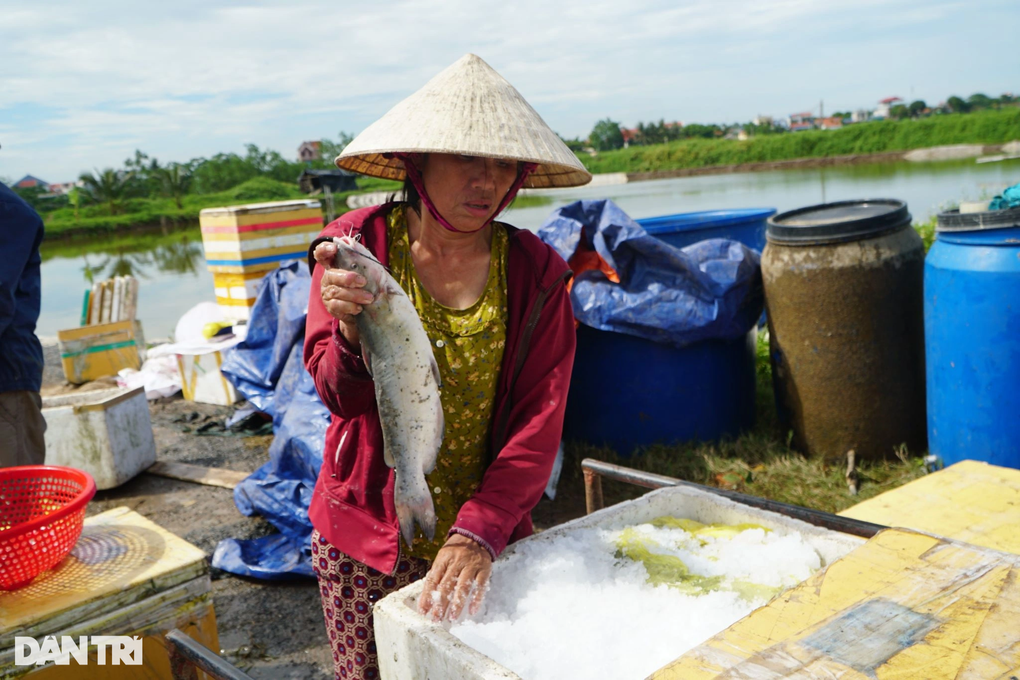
(187,654)
(593,470)
(592,490)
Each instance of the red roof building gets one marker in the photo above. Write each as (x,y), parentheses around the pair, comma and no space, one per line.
(27,182)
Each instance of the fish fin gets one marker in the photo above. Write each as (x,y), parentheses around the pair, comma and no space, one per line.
(414,505)
(366,356)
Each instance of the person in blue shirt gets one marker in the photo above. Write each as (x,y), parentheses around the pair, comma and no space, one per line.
(21,359)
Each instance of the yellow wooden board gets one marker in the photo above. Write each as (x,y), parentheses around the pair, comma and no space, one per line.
(120,558)
(199,625)
(903,605)
(973,502)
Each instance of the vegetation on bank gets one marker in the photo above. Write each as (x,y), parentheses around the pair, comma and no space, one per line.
(986,127)
(152,211)
(146,193)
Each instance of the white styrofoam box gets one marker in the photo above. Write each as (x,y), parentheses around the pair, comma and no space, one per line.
(412,647)
(107,433)
(202,381)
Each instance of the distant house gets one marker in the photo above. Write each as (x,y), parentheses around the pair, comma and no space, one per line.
(859,116)
(629,135)
(337,180)
(885,106)
(762,120)
(64,188)
(309,151)
(29,182)
(831,123)
(801,121)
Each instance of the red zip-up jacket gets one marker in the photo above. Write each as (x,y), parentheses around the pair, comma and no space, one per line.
(352,505)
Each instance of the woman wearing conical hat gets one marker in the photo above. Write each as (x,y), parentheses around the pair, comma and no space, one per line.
(494,305)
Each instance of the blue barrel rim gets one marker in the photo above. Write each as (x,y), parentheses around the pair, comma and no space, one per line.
(703,219)
(1008,237)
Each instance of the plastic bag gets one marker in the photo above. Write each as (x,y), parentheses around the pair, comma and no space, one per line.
(630,282)
(268,370)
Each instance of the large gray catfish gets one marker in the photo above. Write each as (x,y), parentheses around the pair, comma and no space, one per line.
(399,357)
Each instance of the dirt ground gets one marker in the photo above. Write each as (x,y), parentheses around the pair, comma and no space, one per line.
(269,629)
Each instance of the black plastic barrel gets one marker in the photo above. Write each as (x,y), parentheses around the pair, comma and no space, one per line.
(844,296)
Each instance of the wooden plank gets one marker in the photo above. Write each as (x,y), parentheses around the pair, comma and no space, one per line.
(120,558)
(971,501)
(227,479)
(903,605)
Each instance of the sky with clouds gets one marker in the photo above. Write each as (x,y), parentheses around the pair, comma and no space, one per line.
(84,84)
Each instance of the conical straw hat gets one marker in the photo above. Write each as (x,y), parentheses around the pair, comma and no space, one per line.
(467,109)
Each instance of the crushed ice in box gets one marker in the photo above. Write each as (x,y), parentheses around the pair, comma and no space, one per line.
(622,603)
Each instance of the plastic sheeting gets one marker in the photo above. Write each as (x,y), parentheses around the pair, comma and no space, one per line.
(267,369)
(677,296)
(1010,198)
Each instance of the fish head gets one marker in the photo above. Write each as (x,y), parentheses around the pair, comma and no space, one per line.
(353,256)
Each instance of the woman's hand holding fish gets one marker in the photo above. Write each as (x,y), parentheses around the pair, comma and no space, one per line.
(341,292)
(458,577)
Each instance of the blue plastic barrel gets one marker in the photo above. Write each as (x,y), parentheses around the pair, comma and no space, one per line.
(683,229)
(628,391)
(972,338)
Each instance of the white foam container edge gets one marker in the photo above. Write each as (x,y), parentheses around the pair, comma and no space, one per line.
(412,647)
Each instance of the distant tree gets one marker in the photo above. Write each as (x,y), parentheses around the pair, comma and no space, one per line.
(109,187)
(957,105)
(1006,98)
(916,107)
(575,145)
(979,101)
(175,180)
(329,149)
(143,172)
(899,112)
(606,135)
(32,196)
(705,131)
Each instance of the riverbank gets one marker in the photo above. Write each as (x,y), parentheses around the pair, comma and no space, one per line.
(141,215)
(932,139)
(860,142)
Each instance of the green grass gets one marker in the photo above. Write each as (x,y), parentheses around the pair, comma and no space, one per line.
(990,127)
(147,212)
(759,463)
(140,212)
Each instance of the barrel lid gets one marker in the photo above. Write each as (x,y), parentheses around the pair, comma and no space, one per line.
(953,220)
(838,222)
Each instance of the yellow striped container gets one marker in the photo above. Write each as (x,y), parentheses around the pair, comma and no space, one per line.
(244,242)
(92,352)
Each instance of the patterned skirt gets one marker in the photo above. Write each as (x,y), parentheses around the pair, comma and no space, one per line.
(349,589)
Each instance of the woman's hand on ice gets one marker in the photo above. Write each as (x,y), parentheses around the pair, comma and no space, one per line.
(458,578)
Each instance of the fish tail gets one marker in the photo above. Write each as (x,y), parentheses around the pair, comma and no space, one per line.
(414,504)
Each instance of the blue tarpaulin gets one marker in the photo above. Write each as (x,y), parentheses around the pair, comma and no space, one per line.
(267,369)
(1010,198)
(677,296)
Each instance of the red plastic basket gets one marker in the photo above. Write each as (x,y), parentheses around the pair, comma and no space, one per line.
(42,508)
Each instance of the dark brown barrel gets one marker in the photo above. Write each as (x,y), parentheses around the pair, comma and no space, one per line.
(844,296)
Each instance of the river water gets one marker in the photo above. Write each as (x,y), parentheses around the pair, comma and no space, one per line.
(172,275)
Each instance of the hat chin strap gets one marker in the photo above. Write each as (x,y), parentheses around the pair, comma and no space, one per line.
(414,175)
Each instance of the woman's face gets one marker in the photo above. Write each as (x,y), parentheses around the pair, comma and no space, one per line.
(467,189)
